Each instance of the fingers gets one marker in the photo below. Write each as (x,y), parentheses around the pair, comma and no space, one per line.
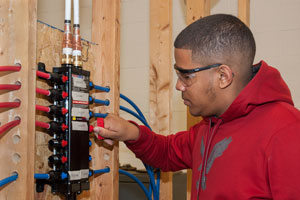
(116,128)
(103,132)
(109,141)
(98,131)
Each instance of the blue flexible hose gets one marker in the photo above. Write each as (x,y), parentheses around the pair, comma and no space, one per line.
(142,118)
(122,96)
(104,102)
(99,171)
(152,181)
(100,115)
(135,115)
(136,180)
(148,168)
(97,87)
(8,179)
(41,176)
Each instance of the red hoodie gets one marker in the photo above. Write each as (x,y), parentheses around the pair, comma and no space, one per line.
(252,151)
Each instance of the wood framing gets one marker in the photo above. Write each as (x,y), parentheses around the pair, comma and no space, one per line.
(161,77)
(195,9)
(244,11)
(106,33)
(18,45)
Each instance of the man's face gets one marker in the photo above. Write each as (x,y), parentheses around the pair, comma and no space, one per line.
(197,88)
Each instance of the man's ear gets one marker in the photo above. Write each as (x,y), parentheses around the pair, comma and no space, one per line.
(225,76)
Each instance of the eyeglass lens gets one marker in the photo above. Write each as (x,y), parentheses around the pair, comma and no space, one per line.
(186,78)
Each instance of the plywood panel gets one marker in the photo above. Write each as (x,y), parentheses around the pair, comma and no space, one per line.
(49,50)
(161,77)
(18,44)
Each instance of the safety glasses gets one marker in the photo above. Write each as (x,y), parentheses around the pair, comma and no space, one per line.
(188,76)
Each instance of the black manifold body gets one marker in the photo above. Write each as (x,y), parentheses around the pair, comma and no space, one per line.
(70,144)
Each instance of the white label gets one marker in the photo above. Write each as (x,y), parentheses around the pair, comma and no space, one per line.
(74,175)
(79,82)
(79,126)
(84,173)
(80,96)
(80,112)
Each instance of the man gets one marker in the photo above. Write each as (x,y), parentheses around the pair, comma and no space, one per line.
(248,144)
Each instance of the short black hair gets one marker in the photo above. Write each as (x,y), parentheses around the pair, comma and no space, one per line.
(218,36)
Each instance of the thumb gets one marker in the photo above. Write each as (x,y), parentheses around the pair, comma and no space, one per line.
(99,130)
(103,132)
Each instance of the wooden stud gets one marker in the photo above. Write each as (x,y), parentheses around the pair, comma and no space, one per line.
(244,11)
(161,77)
(196,9)
(106,33)
(18,44)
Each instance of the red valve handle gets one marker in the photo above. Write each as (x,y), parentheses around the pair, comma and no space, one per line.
(64,79)
(100,123)
(64,127)
(64,111)
(64,94)
(64,143)
(64,159)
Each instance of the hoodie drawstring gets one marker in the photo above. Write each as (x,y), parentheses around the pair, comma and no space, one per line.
(209,138)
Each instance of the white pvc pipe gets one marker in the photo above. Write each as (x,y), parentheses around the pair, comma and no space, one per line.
(67,9)
(76,11)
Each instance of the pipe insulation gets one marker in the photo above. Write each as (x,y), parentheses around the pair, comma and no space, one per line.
(67,39)
(77,48)
(9,125)
(76,11)
(68,10)
(10,68)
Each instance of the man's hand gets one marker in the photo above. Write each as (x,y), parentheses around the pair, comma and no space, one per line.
(117,128)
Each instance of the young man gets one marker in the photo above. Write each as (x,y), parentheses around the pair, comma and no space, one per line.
(248,144)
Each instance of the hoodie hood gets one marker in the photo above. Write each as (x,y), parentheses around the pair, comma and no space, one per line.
(266,86)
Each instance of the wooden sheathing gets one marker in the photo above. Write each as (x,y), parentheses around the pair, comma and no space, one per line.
(161,77)
(49,51)
(18,45)
(244,11)
(106,72)
(195,9)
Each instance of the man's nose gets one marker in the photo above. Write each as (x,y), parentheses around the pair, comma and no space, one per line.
(180,86)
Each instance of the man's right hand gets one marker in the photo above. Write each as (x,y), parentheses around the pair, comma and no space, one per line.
(117,128)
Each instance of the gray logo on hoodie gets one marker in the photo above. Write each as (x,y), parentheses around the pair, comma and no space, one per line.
(216,152)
